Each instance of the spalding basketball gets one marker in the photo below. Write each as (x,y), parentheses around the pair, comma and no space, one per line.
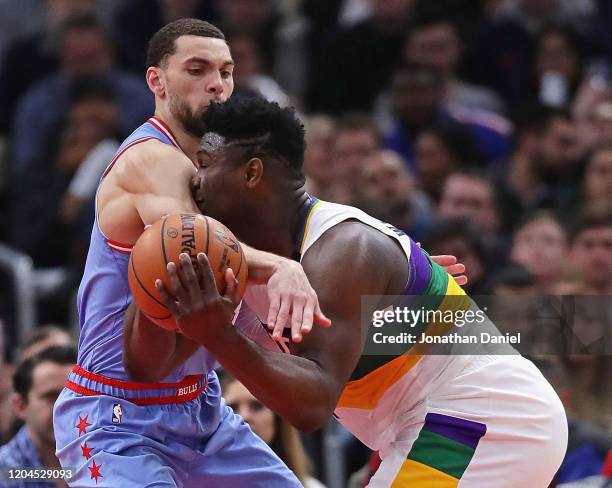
(164,241)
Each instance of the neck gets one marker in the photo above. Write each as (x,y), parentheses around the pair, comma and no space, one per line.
(187,141)
(276,232)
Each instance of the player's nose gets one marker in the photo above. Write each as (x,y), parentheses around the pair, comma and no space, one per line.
(215,84)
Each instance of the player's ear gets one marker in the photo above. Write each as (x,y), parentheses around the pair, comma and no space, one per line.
(253,172)
(155,80)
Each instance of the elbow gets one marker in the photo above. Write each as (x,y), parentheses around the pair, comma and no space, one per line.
(309,424)
(311,416)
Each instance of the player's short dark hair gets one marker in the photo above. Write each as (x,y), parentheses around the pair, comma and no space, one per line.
(262,126)
(22,378)
(594,216)
(163,42)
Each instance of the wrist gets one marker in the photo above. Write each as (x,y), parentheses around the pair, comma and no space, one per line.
(223,341)
(262,265)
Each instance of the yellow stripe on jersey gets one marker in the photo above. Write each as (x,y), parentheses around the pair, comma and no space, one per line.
(413,474)
(365,392)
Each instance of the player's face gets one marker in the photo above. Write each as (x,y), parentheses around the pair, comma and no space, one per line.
(199,72)
(48,380)
(215,187)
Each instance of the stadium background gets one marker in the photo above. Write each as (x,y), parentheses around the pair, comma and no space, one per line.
(481,128)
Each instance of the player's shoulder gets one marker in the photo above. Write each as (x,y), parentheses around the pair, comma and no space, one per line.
(355,241)
(151,158)
(153,152)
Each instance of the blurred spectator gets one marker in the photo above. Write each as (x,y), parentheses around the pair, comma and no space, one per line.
(546,169)
(598,176)
(587,444)
(513,280)
(38,382)
(6,388)
(32,58)
(137,20)
(471,194)
(320,132)
(591,250)
(602,480)
(433,40)
(291,61)
(361,57)
(388,191)
(504,47)
(356,138)
(257,18)
(85,50)
(603,123)
(461,239)
(540,245)
(91,118)
(440,150)
(51,213)
(592,106)
(248,72)
(283,438)
(557,66)
(42,337)
(417,102)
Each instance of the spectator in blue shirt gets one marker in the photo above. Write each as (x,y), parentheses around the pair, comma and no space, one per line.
(38,382)
(85,51)
(417,102)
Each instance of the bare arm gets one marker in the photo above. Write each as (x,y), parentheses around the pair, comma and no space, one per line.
(148,181)
(151,353)
(347,262)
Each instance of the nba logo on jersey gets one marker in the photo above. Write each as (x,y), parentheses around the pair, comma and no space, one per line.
(117,413)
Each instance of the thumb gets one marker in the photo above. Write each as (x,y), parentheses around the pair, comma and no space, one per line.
(231,286)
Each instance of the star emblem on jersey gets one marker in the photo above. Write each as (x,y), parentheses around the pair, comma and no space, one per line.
(82,425)
(86,451)
(95,471)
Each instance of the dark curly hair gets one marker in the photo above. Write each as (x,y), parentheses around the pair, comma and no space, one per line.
(262,127)
(163,42)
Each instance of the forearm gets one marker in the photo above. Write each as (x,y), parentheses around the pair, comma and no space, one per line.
(143,341)
(294,387)
(261,264)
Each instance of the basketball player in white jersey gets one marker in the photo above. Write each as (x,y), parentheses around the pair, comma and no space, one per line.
(488,420)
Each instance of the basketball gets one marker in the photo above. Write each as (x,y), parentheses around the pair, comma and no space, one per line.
(164,241)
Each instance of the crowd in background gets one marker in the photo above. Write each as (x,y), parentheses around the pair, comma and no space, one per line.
(483,129)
